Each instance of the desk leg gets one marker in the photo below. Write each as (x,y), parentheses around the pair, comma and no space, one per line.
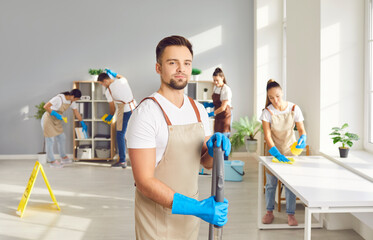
(260,193)
(307,224)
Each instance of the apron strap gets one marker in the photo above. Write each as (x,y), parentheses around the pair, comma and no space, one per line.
(132,101)
(195,109)
(164,113)
(293,108)
(269,111)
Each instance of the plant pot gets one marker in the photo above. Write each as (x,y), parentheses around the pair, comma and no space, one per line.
(251,145)
(343,152)
(195,77)
(42,157)
(94,77)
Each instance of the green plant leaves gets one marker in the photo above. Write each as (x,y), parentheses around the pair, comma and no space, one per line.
(95,71)
(342,136)
(245,128)
(40,110)
(196,71)
(344,126)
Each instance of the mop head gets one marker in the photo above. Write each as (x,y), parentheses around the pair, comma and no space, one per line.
(275,160)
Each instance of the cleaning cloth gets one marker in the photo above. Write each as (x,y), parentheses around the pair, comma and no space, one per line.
(275,160)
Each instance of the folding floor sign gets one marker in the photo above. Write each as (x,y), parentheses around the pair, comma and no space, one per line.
(26,195)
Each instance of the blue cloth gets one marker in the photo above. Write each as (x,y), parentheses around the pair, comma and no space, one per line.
(211,114)
(302,142)
(271,185)
(121,141)
(111,73)
(208,209)
(108,118)
(227,134)
(208,104)
(220,140)
(56,115)
(84,126)
(276,153)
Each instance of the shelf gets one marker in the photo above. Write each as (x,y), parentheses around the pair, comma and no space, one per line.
(90,120)
(101,139)
(101,100)
(84,101)
(83,139)
(201,100)
(201,81)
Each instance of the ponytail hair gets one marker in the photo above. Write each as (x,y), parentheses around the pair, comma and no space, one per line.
(219,72)
(271,84)
(75,92)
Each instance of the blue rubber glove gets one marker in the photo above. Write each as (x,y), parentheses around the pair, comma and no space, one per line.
(84,126)
(221,140)
(211,114)
(302,141)
(56,115)
(208,209)
(109,72)
(108,118)
(276,153)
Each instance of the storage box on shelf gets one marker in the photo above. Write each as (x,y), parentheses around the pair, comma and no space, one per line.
(99,143)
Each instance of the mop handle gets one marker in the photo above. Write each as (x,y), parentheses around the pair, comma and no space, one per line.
(217,188)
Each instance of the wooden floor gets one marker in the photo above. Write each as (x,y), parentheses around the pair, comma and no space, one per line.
(97,202)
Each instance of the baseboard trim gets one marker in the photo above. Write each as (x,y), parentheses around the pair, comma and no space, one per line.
(26,156)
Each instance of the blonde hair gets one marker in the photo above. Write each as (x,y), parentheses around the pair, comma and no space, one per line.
(271,84)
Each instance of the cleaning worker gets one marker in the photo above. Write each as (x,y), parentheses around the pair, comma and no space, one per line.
(278,119)
(222,102)
(51,123)
(168,138)
(118,91)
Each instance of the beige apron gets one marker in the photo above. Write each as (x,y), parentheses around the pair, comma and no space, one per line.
(178,169)
(282,132)
(52,126)
(120,110)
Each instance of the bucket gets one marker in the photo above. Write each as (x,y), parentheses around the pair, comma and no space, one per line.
(233,170)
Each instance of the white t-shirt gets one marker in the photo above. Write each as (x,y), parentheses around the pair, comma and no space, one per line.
(147,127)
(266,116)
(225,93)
(121,91)
(57,102)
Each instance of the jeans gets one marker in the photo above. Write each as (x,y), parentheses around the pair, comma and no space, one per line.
(121,141)
(49,142)
(270,195)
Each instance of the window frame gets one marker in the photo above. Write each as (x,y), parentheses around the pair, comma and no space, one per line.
(368,92)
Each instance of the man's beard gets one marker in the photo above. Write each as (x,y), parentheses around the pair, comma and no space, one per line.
(177,84)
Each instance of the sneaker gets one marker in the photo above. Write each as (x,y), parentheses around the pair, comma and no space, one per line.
(268,218)
(119,164)
(55,164)
(66,160)
(291,220)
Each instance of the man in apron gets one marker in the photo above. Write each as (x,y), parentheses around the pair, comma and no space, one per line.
(118,91)
(279,118)
(167,139)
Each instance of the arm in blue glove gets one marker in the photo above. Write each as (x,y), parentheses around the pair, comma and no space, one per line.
(56,115)
(108,118)
(211,114)
(276,153)
(302,141)
(208,209)
(84,126)
(208,104)
(109,72)
(221,140)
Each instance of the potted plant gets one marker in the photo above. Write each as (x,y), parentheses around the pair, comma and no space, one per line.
(94,73)
(196,72)
(341,135)
(245,133)
(42,156)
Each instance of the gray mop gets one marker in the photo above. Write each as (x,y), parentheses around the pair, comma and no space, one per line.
(217,189)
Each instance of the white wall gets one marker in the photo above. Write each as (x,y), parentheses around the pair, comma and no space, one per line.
(342,69)
(45,46)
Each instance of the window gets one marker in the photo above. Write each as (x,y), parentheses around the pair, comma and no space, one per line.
(368,140)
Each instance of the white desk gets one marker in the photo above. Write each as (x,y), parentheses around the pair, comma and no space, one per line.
(322,185)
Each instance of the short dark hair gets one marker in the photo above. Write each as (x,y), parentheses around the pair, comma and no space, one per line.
(172,41)
(75,92)
(102,77)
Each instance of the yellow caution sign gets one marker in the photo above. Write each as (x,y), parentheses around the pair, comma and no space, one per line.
(26,195)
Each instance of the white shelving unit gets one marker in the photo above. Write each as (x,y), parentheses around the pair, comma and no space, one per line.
(92,112)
